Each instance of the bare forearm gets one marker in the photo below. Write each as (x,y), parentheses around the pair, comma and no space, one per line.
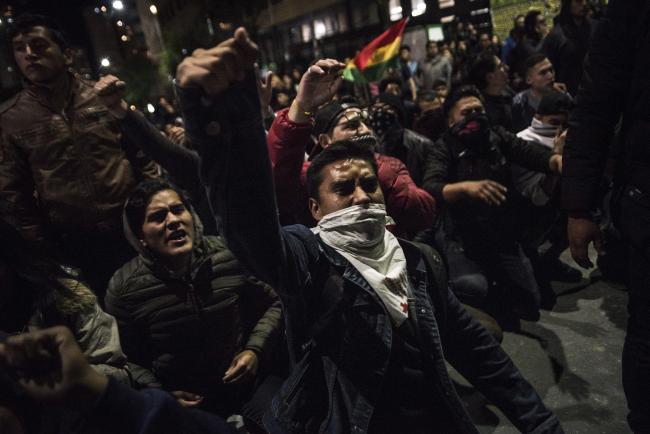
(454,192)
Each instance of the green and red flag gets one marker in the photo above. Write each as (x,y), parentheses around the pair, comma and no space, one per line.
(380,54)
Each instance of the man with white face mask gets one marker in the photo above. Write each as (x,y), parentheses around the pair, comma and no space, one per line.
(367,314)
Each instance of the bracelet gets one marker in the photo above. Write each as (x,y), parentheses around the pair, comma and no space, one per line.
(305,112)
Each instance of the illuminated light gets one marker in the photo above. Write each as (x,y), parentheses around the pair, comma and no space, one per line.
(150,108)
(119,23)
(319,29)
(118,5)
(124,38)
(153,9)
(97,10)
(103,9)
(132,107)
(105,62)
(419,9)
(395,13)
(448,19)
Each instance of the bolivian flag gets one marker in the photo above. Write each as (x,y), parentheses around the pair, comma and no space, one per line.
(381,53)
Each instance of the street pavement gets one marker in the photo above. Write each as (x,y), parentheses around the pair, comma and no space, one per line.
(572,356)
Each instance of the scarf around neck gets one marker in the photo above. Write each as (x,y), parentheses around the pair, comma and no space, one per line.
(359,234)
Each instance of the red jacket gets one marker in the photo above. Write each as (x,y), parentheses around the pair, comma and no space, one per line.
(412,208)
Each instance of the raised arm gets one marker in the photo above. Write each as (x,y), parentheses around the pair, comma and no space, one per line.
(218,96)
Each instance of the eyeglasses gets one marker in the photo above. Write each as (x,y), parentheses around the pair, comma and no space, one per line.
(472,110)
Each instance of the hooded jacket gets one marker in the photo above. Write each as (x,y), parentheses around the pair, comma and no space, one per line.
(187,329)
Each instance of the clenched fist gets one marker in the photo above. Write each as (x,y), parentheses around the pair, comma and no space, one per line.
(215,69)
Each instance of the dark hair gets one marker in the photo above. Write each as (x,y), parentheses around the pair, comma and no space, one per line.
(439,82)
(530,22)
(137,203)
(37,275)
(383,84)
(24,23)
(531,61)
(405,47)
(482,65)
(337,151)
(426,95)
(458,94)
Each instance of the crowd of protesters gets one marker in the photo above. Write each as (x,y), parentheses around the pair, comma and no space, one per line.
(290,253)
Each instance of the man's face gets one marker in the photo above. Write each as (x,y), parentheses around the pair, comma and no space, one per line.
(484,41)
(393,88)
(520,22)
(350,124)
(463,108)
(441,90)
(426,106)
(346,183)
(541,76)
(405,54)
(38,57)
(540,26)
(557,120)
(432,49)
(579,8)
(499,77)
(168,227)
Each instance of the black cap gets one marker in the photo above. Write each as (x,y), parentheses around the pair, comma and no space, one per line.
(329,114)
(555,103)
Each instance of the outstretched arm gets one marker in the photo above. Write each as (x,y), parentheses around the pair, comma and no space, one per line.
(217,91)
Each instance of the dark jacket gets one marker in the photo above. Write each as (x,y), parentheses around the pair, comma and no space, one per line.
(122,410)
(499,109)
(524,107)
(475,222)
(409,147)
(75,161)
(566,46)
(339,333)
(616,83)
(187,329)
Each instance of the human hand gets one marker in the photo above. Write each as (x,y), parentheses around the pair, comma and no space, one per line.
(243,367)
(490,192)
(555,163)
(110,91)
(215,69)
(176,134)
(559,140)
(560,87)
(187,399)
(318,85)
(49,366)
(581,231)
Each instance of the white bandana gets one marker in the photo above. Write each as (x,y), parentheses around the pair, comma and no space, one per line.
(359,234)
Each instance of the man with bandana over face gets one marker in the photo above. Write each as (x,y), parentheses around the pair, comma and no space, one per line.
(367,314)
(469,174)
(386,118)
(313,113)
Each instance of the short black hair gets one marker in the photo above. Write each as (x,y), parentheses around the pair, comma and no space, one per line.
(25,22)
(458,94)
(530,22)
(137,203)
(482,65)
(383,84)
(531,61)
(439,82)
(405,47)
(337,151)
